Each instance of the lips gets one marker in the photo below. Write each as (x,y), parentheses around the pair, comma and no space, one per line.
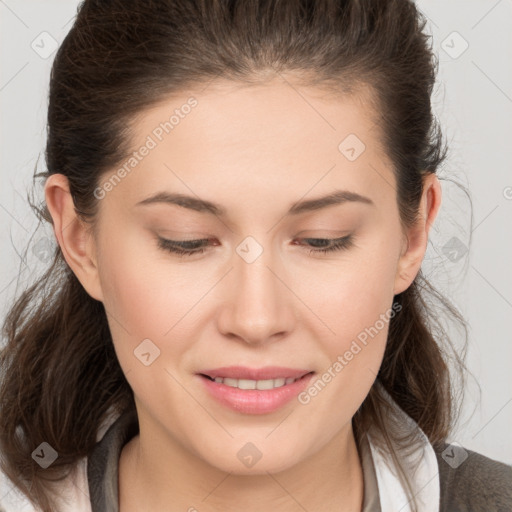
(266,373)
(254,391)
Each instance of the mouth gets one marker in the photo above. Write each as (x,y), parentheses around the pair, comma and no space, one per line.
(254,391)
(258,384)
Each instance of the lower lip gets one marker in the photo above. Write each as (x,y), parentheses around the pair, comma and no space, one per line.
(254,401)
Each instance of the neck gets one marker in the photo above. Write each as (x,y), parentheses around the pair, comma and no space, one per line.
(158,473)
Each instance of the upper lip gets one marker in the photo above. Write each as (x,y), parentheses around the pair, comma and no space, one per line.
(266,373)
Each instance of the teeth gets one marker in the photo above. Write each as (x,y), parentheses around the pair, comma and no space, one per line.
(255,384)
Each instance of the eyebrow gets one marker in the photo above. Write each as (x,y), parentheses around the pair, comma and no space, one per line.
(204,206)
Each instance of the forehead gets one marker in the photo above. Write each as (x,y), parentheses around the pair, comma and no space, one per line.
(277,114)
(277,138)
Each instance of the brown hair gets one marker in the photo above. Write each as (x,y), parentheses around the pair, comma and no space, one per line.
(60,374)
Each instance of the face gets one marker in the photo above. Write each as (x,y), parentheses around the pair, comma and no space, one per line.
(274,279)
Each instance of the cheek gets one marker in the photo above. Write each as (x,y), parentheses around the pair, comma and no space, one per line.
(360,320)
(356,302)
(353,294)
(358,307)
(141,292)
(142,306)
(148,297)
(141,303)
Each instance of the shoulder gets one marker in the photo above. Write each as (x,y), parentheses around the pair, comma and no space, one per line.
(470,481)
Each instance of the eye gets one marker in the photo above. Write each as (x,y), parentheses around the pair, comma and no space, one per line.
(183,248)
(189,247)
(329,244)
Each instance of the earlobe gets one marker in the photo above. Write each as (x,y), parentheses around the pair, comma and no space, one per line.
(416,238)
(72,234)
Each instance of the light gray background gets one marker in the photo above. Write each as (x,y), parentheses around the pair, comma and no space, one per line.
(473,100)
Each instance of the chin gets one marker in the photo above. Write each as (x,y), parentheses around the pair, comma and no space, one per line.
(249,460)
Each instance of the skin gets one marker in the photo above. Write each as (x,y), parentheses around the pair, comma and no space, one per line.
(255,151)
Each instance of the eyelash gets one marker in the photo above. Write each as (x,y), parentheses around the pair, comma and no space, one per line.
(177,247)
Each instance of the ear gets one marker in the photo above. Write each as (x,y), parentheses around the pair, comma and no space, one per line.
(73,234)
(416,236)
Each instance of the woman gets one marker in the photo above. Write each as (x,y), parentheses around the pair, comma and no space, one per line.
(242,194)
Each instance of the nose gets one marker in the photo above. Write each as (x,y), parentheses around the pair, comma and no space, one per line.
(259,306)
